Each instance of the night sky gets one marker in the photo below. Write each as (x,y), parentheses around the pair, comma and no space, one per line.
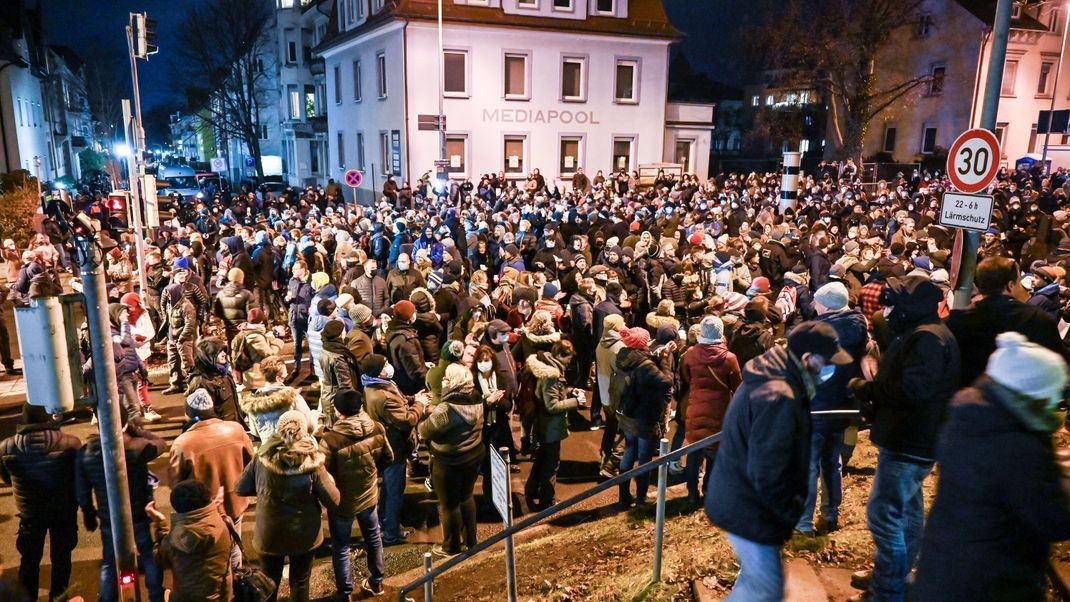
(94,29)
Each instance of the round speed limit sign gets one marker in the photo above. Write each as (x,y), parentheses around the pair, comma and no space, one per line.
(973,160)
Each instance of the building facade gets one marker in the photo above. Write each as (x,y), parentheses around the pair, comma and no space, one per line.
(302,92)
(556,85)
(25,139)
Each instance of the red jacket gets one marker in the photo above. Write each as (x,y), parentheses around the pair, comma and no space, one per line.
(708,395)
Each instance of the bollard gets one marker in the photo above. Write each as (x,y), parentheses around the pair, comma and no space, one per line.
(789,182)
(659,520)
(428,585)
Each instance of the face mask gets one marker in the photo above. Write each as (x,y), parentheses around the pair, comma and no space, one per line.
(484,366)
(388,371)
(826,373)
(403,266)
(503,338)
(550,244)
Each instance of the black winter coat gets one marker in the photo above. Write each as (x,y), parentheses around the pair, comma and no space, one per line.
(142,448)
(407,356)
(38,461)
(232,304)
(851,330)
(642,405)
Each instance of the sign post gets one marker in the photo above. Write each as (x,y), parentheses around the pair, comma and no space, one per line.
(502,496)
(219,165)
(972,164)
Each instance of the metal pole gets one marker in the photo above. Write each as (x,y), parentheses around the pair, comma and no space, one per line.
(659,516)
(90,261)
(510,562)
(135,202)
(441,90)
(429,584)
(1055,89)
(993,84)
(37,168)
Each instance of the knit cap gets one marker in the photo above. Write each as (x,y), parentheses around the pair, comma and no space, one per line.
(404,310)
(1027,368)
(189,495)
(236,275)
(255,316)
(456,377)
(373,364)
(612,323)
(292,425)
(200,401)
(712,330)
(635,338)
(833,296)
(180,262)
(759,285)
(333,329)
(319,280)
(361,314)
(452,350)
(434,280)
(349,402)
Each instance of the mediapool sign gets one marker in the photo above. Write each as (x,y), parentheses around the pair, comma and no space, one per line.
(538,116)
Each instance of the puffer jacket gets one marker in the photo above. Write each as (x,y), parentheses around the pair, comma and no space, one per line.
(531,343)
(38,462)
(711,374)
(407,356)
(372,291)
(339,374)
(142,448)
(253,344)
(232,304)
(455,427)
(291,486)
(400,284)
(605,355)
(642,406)
(551,417)
(263,408)
(398,415)
(354,448)
(181,315)
(196,548)
(218,382)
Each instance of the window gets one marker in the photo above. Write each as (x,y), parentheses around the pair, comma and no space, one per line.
(755,100)
(314,156)
(295,101)
(928,140)
(627,79)
(514,155)
(924,26)
(570,154)
(606,6)
(684,147)
(1056,19)
(527,3)
(310,101)
(889,138)
(936,80)
(360,150)
(1045,78)
(456,153)
(259,65)
(1033,139)
(263,131)
(1016,11)
(1010,73)
(291,47)
(19,103)
(804,145)
(380,68)
(562,4)
(516,76)
(454,73)
(384,152)
(622,154)
(572,74)
(341,150)
(337,85)
(356,81)
(769,100)
(1001,132)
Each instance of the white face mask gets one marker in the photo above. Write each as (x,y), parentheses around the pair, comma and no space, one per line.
(826,373)
(388,371)
(503,338)
(403,266)
(484,366)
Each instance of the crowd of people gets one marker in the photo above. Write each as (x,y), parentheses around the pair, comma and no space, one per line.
(440,321)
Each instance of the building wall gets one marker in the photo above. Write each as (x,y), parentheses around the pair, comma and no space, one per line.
(25,121)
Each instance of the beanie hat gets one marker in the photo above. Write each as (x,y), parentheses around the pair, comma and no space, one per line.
(319,280)
(326,307)
(333,329)
(760,285)
(550,291)
(292,426)
(190,495)
(236,275)
(361,314)
(372,364)
(635,338)
(923,263)
(833,296)
(349,402)
(200,401)
(255,316)
(1027,368)
(612,323)
(404,310)
(456,377)
(180,262)
(712,330)
(434,280)
(452,350)
(421,299)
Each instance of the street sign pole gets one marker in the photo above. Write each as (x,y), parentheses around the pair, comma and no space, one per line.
(503,500)
(134,205)
(989,110)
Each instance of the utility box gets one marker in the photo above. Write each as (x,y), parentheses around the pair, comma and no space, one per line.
(48,343)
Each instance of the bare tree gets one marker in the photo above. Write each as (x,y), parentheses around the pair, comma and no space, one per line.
(832,46)
(217,64)
(105,101)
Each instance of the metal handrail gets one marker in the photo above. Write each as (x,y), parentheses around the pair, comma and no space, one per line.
(552,510)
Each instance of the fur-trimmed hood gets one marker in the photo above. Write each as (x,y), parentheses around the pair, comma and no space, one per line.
(544,339)
(299,457)
(271,400)
(426,294)
(655,321)
(543,366)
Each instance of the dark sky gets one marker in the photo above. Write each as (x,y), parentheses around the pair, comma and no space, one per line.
(95,29)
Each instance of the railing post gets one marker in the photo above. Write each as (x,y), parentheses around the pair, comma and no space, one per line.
(429,584)
(659,520)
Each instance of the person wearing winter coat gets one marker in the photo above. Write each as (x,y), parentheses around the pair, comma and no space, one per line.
(38,462)
(710,375)
(264,406)
(183,326)
(606,367)
(643,388)
(554,398)
(755,335)
(427,323)
(758,483)
(232,303)
(253,344)
(372,289)
(399,414)
(291,485)
(323,310)
(492,384)
(129,367)
(664,315)
(452,352)
(830,302)
(354,447)
(404,350)
(339,369)
(196,545)
(917,376)
(359,338)
(1003,495)
(299,297)
(581,314)
(212,373)
(403,279)
(454,431)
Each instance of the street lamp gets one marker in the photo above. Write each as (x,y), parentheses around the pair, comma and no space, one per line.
(123,150)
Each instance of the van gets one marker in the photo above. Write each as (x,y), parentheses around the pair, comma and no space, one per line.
(177,178)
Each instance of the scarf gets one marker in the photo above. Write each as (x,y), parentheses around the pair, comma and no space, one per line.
(1035,414)
(367,381)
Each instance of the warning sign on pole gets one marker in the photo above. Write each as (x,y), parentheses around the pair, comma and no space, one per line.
(973,160)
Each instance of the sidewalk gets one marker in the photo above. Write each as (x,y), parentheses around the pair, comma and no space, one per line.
(13,390)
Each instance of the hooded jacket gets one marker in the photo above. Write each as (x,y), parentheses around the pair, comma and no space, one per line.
(38,461)
(264,407)
(214,452)
(455,427)
(217,381)
(760,477)
(140,449)
(197,550)
(232,304)
(399,417)
(605,355)
(711,374)
(642,405)
(291,485)
(851,330)
(551,417)
(353,449)
(407,356)
(531,343)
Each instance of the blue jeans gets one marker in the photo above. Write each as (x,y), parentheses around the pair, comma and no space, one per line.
(896,517)
(761,576)
(341,528)
(637,450)
(825,451)
(392,497)
(109,582)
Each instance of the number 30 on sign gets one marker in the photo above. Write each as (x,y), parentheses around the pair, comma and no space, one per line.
(973,160)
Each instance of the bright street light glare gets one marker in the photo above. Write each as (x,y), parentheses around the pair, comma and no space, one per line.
(123,150)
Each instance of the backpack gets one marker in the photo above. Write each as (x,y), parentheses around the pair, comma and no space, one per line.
(749,343)
(244,355)
(621,388)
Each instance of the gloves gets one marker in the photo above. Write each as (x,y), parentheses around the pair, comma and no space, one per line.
(90,520)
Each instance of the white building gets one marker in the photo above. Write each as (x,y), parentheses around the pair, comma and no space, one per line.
(549,84)
(24,130)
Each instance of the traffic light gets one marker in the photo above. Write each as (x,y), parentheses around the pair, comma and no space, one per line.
(144,35)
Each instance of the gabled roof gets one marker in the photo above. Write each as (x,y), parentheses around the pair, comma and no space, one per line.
(646,18)
(985,10)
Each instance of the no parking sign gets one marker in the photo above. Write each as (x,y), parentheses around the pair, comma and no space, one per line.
(354,178)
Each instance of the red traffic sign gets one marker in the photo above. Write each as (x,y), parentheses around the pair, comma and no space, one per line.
(973,160)
(354,178)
